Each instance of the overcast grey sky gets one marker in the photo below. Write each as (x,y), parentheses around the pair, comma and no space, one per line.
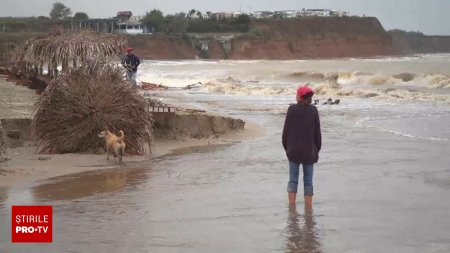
(428,16)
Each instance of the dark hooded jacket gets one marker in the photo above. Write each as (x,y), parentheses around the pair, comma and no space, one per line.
(131,62)
(302,138)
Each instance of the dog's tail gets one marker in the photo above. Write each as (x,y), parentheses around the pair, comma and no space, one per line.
(122,135)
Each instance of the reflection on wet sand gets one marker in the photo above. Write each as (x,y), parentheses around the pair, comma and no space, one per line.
(90,183)
(301,233)
(198,149)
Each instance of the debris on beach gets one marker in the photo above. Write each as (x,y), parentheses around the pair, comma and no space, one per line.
(194,85)
(153,86)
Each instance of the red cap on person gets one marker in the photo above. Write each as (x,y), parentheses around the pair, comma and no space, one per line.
(304,90)
(129,49)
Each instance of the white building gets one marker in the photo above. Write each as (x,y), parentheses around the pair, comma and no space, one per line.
(318,12)
(132,28)
(236,14)
(262,14)
(289,14)
(340,13)
(136,18)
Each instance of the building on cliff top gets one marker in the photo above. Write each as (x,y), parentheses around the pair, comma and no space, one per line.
(301,13)
(126,23)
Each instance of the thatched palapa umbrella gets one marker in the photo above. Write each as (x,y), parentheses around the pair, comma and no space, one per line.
(70,49)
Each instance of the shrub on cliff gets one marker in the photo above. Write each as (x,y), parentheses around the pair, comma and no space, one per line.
(240,24)
(255,33)
(79,104)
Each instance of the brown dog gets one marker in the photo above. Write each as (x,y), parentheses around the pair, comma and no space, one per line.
(114,143)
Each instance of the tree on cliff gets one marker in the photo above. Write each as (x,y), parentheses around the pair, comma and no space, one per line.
(244,21)
(176,24)
(154,18)
(79,16)
(191,12)
(60,11)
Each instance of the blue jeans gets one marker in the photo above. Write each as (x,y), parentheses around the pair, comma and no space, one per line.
(308,170)
(131,76)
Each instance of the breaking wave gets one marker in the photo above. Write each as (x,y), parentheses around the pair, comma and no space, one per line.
(246,89)
(325,89)
(433,81)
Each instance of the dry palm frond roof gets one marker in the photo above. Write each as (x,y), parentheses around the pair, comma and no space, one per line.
(58,48)
(77,105)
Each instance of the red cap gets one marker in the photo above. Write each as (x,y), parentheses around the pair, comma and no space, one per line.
(129,49)
(304,90)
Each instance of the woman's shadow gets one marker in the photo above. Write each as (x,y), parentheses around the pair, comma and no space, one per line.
(301,232)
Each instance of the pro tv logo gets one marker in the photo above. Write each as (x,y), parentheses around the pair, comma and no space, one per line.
(31,224)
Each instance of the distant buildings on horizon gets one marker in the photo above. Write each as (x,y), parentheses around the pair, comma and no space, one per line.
(256,15)
(126,23)
(129,24)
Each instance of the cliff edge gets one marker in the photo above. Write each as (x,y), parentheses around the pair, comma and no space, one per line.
(314,37)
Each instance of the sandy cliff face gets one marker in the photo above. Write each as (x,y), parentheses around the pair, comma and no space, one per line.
(282,39)
(314,38)
(162,47)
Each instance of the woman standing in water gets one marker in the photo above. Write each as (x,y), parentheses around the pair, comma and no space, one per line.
(302,140)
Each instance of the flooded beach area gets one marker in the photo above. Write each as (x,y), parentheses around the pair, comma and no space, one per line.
(381,184)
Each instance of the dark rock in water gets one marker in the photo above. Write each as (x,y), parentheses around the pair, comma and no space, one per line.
(328,102)
(405,77)
(370,95)
(331,102)
(336,102)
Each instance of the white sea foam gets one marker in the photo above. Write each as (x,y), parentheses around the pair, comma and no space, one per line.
(361,78)
(279,78)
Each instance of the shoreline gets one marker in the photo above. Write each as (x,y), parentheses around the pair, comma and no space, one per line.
(25,166)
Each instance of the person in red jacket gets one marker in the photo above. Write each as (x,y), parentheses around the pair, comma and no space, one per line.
(302,140)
